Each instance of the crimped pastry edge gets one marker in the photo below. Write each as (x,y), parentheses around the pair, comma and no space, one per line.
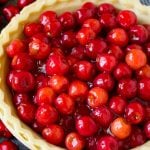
(14,29)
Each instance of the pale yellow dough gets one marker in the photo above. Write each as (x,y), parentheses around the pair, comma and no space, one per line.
(14,30)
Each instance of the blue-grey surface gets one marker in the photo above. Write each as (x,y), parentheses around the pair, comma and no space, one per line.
(145,2)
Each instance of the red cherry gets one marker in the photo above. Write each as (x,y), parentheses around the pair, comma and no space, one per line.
(86,126)
(74,138)
(8,145)
(40,37)
(91,6)
(78,52)
(127,18)
(32,29)
(46,115)
(22,3)
(135,112)
(133,46)
(118,36)
(103,116)
(64,104)
(54,134)
(56,64)
(37,127)
(107,143)
(26,112)
(127,88)
(147,129)
(10,11)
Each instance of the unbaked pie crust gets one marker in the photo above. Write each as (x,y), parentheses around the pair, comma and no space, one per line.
(14,30)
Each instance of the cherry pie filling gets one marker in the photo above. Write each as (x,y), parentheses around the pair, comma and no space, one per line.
(82,79)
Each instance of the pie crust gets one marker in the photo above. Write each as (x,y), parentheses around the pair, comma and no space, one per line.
(14,30)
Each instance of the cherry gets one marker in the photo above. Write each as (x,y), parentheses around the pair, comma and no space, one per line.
(91,6)
(97,97)
(120,128)
(84,35)
(118,36)
(22,61)
(32,29)
(121,71)
(74,141)
(67,20)
(26,112)
(127,18)
(147,129)
(91,142)
(108,20)
(103,116)
(144,89)
(95,47)
(15,47)
(78,52)
(105,81)
(133,46)
(56,64)
(45,95)
(135,112)
(40,37)
(46,115)
(117,104)
(86,126)
(78,90)
(127,88)
(58,83)
(94,24)
(22,3)
(8,145)
(64,104)
(10,11)
(136,59)
(54,134)
(106,62)
(37,127)
(84,70)
(107,143)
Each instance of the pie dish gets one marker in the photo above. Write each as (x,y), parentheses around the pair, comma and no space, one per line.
(14,30)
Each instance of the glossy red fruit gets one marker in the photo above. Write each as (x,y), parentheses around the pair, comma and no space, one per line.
(45,95)
(15,47)
(67,20)
(10,76)
(127,18)
(105,81)
(117,104)
(64,104)
(107,143)
(37,127)
(68,39)
(58,83)
(95,47)
(78,52)
(74,141)
(144,89)
(84,35)
(127,88)
(20,98)
(46,115)
(22,3)
(138,34)
(118,36)
(10,11)
(32,29)
(91,6)
(133,46)
(22,61)
(8,145)
(97,97)
(78,90)
(26,112)
(147,129)
(86,126)
(147,49)
(56,64)
(135,112)
(106,62)
(84,70)
(103,116)
(94,24)
(54,134)
(3,1)
(106,8)
(108,20)
(121,71)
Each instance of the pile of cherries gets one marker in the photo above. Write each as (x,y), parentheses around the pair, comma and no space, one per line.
(82,79)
